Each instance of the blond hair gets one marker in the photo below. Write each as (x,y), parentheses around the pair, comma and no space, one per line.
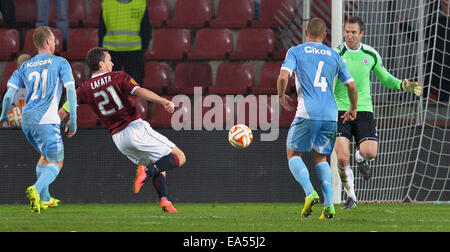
(316,28)
(40,35)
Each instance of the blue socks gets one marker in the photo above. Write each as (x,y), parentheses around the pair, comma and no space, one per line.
(324,172)
(45,194)
(301,174)
(46,175)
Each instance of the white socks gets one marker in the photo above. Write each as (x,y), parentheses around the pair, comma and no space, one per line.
(348,182)
(358,157)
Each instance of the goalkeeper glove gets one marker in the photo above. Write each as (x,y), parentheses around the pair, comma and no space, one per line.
(412,87)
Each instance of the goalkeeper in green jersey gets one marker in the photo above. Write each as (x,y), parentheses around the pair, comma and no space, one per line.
(360,60)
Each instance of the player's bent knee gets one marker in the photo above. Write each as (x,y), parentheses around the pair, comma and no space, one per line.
(290,153)
(179,155)
(343,160)
(369,154)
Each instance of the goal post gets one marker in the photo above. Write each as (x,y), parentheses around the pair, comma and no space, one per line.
(336,39)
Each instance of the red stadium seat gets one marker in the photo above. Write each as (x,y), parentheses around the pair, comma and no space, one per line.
(94,14)
(159,12)
(10,44)
(79,42)
(212,44)
(157,76)
(159,116)
(29,47)
(26,13)
(169,44)
(191,14)
(76,14)
(280,53)
(78,72)
(269,9)
(189,75)
(256,44)
(10,66)
(233,14)
(86,117)
(233,78)
(268,76)
(141,105)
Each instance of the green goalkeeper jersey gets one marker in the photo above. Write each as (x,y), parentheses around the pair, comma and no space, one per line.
(360,63)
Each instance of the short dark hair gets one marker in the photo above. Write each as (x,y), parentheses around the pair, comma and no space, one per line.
(356,20)
(94,56)
(316,27)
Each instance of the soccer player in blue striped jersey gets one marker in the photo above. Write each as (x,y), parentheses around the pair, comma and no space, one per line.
(44,77)
(314,127)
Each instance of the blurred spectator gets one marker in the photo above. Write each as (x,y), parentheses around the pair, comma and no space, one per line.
(124,29)
(15,112)
(9,13)
(62,20)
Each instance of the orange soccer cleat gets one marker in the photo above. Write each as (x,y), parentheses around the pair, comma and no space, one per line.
(167,206)
(141,176)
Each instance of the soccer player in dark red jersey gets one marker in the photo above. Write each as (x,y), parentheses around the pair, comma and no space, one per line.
(107,92)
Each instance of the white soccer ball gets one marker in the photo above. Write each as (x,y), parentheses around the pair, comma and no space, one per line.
(240,136)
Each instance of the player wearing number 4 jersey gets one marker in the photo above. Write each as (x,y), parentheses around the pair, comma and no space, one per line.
(314,127)
(44,77)
(107,93)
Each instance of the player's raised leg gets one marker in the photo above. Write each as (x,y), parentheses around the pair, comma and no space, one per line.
(367,151)
(175,158)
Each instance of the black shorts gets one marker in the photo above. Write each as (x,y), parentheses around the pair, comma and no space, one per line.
(362,128)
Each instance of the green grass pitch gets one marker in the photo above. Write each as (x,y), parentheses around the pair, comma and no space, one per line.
(225,217)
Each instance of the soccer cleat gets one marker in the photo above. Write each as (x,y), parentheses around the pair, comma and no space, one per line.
(328,213)
(364,169)
(33,195)
(310,201)
(350,204)
(51,203)
(55,202)
(166,206)
(141,176)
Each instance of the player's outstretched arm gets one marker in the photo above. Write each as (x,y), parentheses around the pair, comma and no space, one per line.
(350,114)
(152,97)
(391,82)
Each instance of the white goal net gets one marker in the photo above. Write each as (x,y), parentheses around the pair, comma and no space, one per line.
(412,37)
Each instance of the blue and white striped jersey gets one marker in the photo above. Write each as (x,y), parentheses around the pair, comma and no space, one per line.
(316,66)
(44,76)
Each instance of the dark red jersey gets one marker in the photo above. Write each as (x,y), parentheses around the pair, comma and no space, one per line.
(108,96)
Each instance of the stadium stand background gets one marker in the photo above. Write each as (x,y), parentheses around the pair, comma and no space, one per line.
(96,172)
(215,53)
